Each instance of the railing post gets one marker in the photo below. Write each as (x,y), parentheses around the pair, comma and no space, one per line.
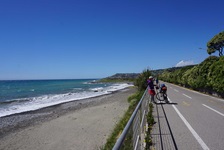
(136,122)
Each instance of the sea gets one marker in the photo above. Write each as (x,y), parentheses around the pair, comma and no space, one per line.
(17,96)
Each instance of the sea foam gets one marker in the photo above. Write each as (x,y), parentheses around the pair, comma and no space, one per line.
(34,103)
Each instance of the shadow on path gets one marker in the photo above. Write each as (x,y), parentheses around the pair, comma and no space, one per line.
(162,136)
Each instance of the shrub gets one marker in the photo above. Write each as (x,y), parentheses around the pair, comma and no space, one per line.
(141,81)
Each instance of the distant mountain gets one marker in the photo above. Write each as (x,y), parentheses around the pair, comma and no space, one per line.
(160,71)
(124,76)
(121,77)
(132,76)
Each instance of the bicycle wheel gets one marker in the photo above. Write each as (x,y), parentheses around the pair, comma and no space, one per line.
(159,96)
(166,98)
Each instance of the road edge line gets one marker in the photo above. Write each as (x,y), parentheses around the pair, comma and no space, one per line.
(194,133)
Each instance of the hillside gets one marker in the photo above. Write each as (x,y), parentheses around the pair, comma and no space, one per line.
(119,77)
(124,76)
(208,76)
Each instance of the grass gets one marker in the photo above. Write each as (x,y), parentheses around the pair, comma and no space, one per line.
(150,121)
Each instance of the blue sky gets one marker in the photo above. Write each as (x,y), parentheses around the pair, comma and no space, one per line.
(67,39)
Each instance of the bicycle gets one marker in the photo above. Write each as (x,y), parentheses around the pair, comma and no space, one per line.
(161,94)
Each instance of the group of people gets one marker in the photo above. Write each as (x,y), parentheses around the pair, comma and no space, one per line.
(151,87)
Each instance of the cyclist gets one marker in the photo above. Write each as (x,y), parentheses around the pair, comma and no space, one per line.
(157,81)
(151,88)
(163,89)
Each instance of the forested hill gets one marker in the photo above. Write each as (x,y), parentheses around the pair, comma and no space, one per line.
(207,76)
(132,76)
(122,76)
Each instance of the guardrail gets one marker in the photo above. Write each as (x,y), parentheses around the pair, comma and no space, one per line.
(136,126)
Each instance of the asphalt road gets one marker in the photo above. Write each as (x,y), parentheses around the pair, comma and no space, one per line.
(196,120)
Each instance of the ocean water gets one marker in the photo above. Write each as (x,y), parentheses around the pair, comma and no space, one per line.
(18,96)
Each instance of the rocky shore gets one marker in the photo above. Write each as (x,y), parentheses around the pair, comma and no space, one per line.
(84,124)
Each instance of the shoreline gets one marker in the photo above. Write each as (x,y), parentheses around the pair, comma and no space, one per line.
(19,123)
(34,102)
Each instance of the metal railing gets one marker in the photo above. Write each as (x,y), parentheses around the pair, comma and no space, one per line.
(134,130)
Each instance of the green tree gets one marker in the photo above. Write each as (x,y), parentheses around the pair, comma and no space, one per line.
(184,78)
(216,44)
(216,75)
(141,81)
(192,77)
(208,76)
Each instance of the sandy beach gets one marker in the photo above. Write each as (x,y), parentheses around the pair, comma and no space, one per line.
(78,125)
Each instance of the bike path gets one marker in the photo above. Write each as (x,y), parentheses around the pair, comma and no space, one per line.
(162,135)
(193,124)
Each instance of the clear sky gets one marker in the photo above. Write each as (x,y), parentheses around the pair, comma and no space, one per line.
(68,39)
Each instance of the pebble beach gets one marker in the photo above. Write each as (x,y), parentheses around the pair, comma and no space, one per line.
(78,125)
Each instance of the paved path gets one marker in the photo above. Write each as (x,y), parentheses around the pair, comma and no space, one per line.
(191,121)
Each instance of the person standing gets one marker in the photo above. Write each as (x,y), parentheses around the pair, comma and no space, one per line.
(157,82)
(151,89)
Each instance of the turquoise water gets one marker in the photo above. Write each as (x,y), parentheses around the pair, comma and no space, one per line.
(17,89)
(24,95)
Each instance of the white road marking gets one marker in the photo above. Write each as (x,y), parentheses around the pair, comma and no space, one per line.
(187,96)
(197,92)
(197,137)
(214,110)
(176,90)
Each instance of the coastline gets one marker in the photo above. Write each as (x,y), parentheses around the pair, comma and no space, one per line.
(72,123)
